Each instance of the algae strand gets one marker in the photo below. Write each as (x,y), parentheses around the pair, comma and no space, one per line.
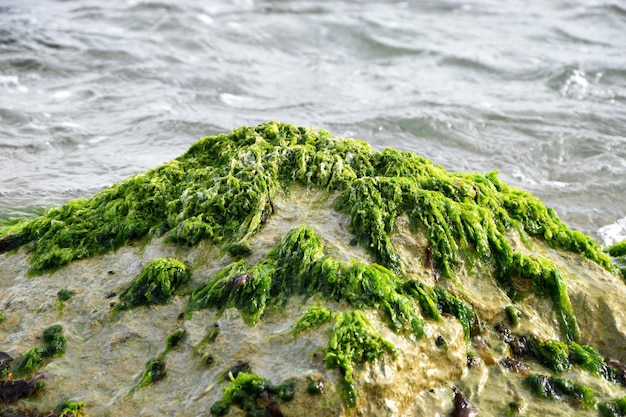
(156,283)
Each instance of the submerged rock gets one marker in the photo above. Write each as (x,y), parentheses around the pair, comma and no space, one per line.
(348,281)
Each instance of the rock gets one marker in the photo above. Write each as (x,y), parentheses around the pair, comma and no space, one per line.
(279,270)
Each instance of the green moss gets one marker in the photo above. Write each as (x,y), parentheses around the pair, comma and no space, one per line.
(315,316)
(155,284)
(616,408)
(552,387)
(71,408)
(353,341)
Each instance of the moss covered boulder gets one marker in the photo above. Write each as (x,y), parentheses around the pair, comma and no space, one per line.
(279,270)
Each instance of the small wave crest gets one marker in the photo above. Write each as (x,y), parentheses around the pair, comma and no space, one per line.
(613,233)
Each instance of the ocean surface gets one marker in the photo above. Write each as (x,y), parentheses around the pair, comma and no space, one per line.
(92,92)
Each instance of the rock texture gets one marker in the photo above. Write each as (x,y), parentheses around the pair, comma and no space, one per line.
(278,270)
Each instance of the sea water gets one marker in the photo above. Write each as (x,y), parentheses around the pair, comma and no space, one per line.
(92,92)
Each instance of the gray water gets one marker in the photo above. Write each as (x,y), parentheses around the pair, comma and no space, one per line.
(92,91)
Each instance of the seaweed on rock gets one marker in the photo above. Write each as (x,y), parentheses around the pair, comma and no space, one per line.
(298,266)
(222,190)
(155,284)
(315,316)
(353,341)
(553,387)
(153,372)
(31,360)
(253,394)
(71,408)
(618,252)
(561,357)
(222,187)
(615,408)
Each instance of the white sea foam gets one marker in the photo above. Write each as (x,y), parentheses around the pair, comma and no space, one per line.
(613,233)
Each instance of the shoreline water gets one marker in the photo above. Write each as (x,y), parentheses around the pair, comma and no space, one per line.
(91,94)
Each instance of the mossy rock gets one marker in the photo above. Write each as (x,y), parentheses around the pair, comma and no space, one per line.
(372,281)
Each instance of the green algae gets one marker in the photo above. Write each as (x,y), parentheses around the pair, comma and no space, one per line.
(174,339)
(209,338)
(314,317)
(29,362)
(253,394)
(298,266)
(71,408)
(618,249)
(63,296)
(222,189)
(354,341)
(451,304)
(156,283)
(315,385)
(618,252)
(54,340)
(239,249)
(32,359)
(426,297)
(586,357)
(615,408)
(552,354)
(552,387)
(155,367)
(560,357)
(153,372)
(547,282)
(512,316)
